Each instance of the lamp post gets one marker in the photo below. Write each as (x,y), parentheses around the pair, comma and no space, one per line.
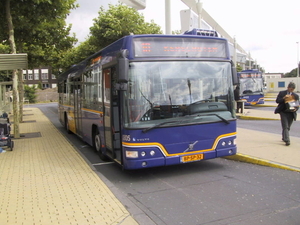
(234,53)
(199,10)
(297,58)
(168,16)
(250,66)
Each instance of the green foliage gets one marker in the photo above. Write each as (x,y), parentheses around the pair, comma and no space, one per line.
(176,32)
(117,22)
(30,93)
(292,73)
(4,49)
(5,76)
(40,29)
(239,68)
(77,54)
(111,25)
(40,86)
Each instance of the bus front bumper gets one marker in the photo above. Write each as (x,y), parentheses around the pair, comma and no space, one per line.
(140,162)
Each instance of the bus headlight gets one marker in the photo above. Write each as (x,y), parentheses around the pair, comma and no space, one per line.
(132,154)
(143,154)
(228,142)
(152,152)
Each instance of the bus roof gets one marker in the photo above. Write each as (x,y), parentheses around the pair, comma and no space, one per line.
(202,32)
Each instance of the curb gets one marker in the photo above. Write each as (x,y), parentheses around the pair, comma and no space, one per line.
(254,118)
(258,161)
(264,105)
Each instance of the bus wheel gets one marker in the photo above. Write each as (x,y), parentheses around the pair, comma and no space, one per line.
(97,146)
(67,125)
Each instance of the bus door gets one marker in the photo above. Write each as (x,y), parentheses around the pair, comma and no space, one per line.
(111,115)
(77,107)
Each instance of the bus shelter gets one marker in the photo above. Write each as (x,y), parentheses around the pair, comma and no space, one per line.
(10,62)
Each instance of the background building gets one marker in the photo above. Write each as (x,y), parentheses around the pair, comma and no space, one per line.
(280,84)
(273,75)
(40,76)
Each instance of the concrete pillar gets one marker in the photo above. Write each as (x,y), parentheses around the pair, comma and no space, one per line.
(168,16)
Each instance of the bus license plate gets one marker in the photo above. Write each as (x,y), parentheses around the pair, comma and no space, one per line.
(191,158)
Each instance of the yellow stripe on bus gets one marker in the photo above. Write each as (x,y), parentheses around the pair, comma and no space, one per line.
(164,151)
(84,109)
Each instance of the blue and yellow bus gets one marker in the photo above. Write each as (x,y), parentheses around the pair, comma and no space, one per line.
(251,87)
(153,100)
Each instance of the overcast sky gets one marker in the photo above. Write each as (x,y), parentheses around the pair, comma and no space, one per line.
(266,29)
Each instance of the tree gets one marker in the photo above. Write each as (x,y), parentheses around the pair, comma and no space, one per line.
(14,74)
(176,32)
(292,73)
(38,28)
(117,22)
(111,25)
(40,86)
(239,68)
(5,75)
(77,54)
(30,93)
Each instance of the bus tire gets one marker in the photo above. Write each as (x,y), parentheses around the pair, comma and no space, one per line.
(97,145)
(67,125)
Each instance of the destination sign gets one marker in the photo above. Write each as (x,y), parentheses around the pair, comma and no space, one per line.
(250,75)
(180,47)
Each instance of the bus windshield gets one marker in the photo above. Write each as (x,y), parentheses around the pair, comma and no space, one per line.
(184,91)
(251,85)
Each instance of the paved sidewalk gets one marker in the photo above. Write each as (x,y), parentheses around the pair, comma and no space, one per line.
(265,148)
(44,180)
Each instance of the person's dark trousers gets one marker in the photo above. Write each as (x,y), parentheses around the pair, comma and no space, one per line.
(239,107)
(286,123)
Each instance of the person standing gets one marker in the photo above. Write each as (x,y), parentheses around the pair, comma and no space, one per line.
(239,104)
(286,117)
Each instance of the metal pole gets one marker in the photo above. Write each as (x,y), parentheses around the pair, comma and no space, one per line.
(250,66)
(199,9)
(234,52)
(168,16)
(297,75)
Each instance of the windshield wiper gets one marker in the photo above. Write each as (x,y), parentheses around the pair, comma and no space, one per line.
(158,125)
(212,114)
(220,117)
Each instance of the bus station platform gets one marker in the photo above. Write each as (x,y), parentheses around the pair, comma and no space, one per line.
(265,148)
(45,180)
